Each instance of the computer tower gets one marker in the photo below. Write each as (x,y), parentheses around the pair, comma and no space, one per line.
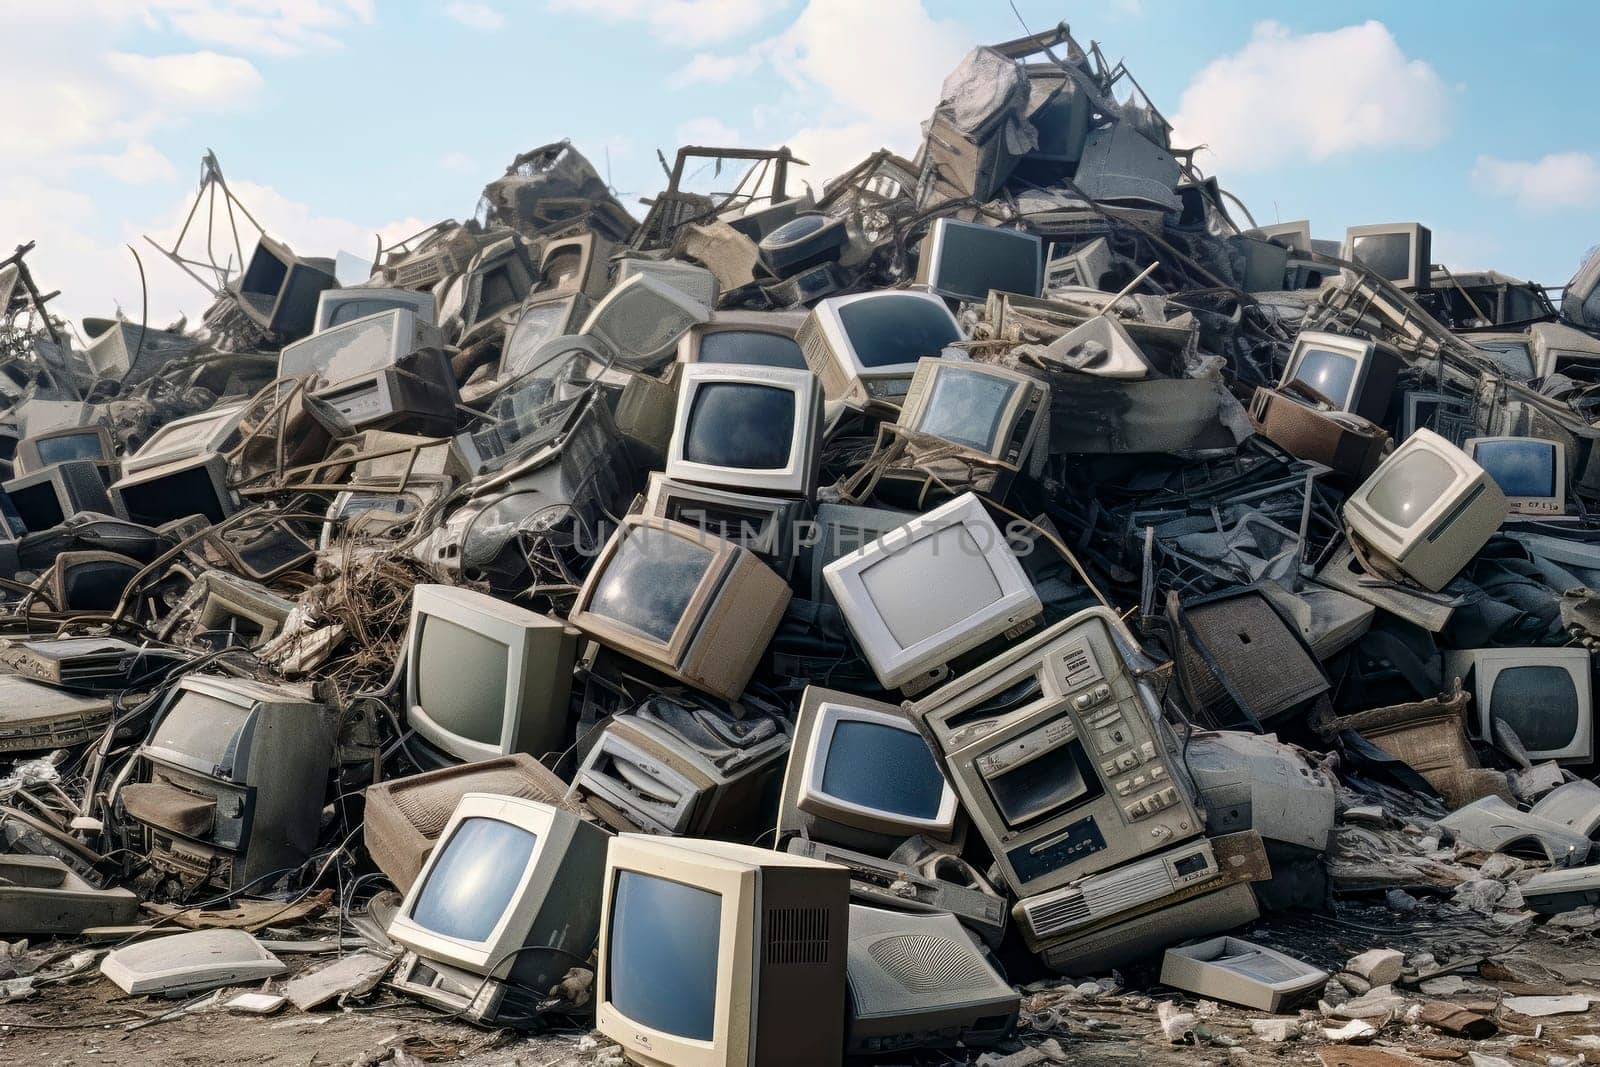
(1119,944)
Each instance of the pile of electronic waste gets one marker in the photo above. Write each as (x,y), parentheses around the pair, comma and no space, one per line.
(781,628)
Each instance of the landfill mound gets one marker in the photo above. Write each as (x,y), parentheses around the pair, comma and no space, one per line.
(1003,607)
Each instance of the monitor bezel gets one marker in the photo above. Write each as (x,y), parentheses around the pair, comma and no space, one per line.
(932,255)
(491,618)
(419,302)
(799,476)
(1340,344)
(1395,541)
(235,691)
(402,338)
(778,323)
(662,489)
(1296,235)
(1541,506)
(894,664)
(1420,275)
(154,453)
(826,315)
(813,801)
(28,460)
(674,652)
(1489,663)
(574,301)
(925,380)
(485,957)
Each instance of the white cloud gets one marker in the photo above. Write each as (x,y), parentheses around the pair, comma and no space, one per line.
(1288,96)
(1550,183)
(680,21)
(475,16)
(193,81)
(137,164)
(708,130)
(264,27)
(459,162)
(707,68)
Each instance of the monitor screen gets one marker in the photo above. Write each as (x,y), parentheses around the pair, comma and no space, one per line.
(202,727)
(895,328)
(966,407)
(461,679)
(1513,357)
(185,492)
(497,292)
(472,882)
(661,955)
(1409,487)
(536,325)
(751,348)
(350,310)
(1386,254)
(1519,468)
(356,349)
(740,425)
(96,585)
(1333,374)
(650,580)
(1540,703)
(923,589)
(885,768)
(69,447)
(975,259)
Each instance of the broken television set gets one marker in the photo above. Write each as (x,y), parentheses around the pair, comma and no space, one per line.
(865,347)
(1545,695)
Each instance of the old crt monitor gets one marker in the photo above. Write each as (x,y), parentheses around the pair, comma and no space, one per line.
(1059,755)
(358,347)
(335,307)
(988,409)
(861,775)
(1295,236)
(543,318)
(230,786)
(965,260)
(641,319)
(838,530)
(90,581)
(690,604)
(484,677)
(404,817)
(759,338)
(1426,511)
(35,717)
(1545,695)
(580,264)
(866,346)
(1401,252)
(504,907)
(216,430)
(46,497)
(188,485)
(1351,374)
(922,594)
(717,954)
(1580,303)
(39,451)
(766,525)
(130,353)
(920,981)
(279,290)
(693,281)
(1530,471)
(751,428)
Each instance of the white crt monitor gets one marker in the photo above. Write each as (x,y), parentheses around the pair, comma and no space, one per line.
(865,347)
(1426,510)
(187,438)
(1401,252)
(752,428)
(486,678)
(1546,695)
(641,319)
(715,954)
(357,347)
(989,409)
(338,306)
(1530,471)
(1353,374)
(925,592)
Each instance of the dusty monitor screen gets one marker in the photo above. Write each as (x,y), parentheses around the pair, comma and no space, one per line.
(472,883)
(202,727)
(883,768)
(740,425)
(69,447)
(895,328)
(649,582)
(662,948)
(338,356)
(1386,254)
(1519,468)
(1541,704)
(975,259)
(928,587)
(537,325)
(1333,374)
(1410,487)
(751,348)
(966,407)
(461,679)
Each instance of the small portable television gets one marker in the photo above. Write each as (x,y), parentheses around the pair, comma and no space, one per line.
(1401,252)
(865,347)
(710,950)
(862,776)
(752,428)
(507,903)
(641,319)
(484,677)
(1352,374)
(1530,471)
(688,603)
(965,260)
(994,411)
(335,307)
(1426,511)
(753,338)
(922,594)
(1546,696)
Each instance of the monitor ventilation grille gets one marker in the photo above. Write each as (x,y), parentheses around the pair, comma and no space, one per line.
(797,935)
(923,963)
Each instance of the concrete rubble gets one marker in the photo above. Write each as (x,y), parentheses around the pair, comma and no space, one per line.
(1263,633)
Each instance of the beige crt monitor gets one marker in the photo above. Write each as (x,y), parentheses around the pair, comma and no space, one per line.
(865,347)
(715,954)
(683,601)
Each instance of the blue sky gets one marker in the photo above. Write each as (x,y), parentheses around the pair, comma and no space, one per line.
(336,119)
